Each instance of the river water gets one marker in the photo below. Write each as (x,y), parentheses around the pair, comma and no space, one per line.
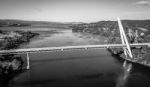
(77,68)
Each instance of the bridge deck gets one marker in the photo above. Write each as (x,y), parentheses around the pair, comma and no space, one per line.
(44,49)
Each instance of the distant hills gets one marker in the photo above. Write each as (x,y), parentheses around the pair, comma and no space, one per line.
(22,23)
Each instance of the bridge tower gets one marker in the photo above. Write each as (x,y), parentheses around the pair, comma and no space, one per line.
(127,49)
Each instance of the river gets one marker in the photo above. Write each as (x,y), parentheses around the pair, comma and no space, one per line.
(77,68)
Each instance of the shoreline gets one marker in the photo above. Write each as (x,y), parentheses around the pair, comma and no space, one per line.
(10,63)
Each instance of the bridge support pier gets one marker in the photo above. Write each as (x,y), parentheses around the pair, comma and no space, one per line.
(28,61)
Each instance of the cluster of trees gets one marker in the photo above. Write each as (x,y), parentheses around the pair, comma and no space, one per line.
(14,42)
(10,66)
(9,63)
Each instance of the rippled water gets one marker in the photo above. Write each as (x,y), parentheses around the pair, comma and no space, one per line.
(77,68)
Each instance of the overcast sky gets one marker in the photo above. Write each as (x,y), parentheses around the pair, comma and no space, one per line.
(74,10)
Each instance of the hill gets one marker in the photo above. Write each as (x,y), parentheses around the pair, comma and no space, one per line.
(23,23)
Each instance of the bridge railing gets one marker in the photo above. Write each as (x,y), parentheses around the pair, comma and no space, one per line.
(48,49)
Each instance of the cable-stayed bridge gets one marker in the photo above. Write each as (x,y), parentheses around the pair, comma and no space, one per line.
(63,48)
(125,45)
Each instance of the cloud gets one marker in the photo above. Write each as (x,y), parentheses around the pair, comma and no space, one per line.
(144,2)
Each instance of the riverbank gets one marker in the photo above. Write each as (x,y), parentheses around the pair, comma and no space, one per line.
(136,31)
(10,63)
(12,39)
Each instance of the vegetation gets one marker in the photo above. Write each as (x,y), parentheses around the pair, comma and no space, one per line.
(10,63)
(19,38)
(10,66)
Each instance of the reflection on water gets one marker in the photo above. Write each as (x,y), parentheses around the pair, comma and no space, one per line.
(123,78)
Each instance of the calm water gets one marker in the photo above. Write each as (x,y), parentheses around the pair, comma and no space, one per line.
(77,68)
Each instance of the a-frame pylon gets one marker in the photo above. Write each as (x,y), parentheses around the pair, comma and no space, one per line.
(124,40)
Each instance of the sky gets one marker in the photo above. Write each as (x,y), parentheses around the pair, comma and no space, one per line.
(74,10)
